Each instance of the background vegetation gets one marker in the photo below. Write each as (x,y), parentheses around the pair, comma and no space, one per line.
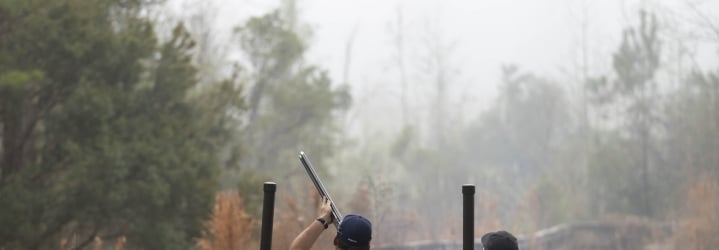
(119,125)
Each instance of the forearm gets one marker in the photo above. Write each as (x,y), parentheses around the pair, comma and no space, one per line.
(308,237)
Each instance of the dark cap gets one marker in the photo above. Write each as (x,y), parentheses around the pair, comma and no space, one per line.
(355,230)
(500,240)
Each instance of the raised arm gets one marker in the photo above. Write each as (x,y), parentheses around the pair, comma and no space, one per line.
(307,237)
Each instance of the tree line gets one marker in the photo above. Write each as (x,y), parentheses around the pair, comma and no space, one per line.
(112,125)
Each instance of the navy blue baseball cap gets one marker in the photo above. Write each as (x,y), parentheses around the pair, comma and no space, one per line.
(500,240)
(355,230)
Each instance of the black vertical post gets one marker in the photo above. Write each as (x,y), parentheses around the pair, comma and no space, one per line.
(268,212)
(468,221)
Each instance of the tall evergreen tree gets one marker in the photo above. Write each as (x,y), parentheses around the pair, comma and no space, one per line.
(103,133)
(292,104)
(631,97)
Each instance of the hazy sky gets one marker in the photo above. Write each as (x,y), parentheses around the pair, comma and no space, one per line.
(479,37)
(544,37)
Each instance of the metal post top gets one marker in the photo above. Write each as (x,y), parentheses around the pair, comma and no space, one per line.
(468,189)
(270,186)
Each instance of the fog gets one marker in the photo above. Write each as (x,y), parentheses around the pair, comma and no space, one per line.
(356,41)
(560,112)
(433,87)
(421,72)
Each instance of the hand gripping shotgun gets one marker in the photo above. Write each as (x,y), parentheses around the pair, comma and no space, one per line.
(320,188)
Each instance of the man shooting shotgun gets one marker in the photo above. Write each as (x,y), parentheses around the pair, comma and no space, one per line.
(354,231)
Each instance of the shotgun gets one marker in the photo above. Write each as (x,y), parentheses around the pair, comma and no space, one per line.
(320,188)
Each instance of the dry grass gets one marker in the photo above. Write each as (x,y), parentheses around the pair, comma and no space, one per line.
(230,227)
(699,222)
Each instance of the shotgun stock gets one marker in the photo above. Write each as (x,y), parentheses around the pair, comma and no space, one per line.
(320,188)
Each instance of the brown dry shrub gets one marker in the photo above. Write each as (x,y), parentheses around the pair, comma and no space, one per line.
(291,220)
(120,243)
(230,226)
(487,217)
(699,221)
(65,245)
(294,214)
(98,243)
(68,244)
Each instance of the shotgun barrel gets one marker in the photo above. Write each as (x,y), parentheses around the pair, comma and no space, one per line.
(320,187)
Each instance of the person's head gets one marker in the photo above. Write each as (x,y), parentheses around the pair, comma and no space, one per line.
(500,240)
(354,233)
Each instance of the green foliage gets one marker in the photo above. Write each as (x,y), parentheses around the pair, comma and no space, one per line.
(520,138)
(250,188)
(630,103)
(524,127)
(612,179)
(12,82)
(104,132)
(693,118)
(637,59)
(292,104)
